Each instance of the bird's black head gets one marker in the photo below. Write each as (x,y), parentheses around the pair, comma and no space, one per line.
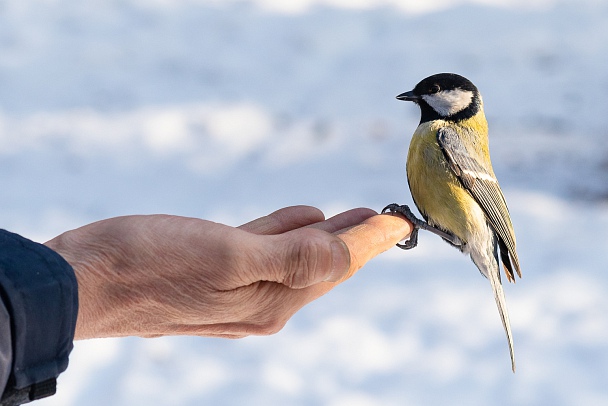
(445,96)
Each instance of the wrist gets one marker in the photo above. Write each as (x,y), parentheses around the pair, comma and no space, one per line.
(89,270)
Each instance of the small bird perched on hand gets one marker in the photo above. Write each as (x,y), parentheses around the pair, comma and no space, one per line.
(453,185)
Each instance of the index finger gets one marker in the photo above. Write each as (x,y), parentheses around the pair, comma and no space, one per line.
(344,220)
(283,220)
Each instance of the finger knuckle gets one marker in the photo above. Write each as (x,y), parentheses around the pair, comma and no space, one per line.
(305,261)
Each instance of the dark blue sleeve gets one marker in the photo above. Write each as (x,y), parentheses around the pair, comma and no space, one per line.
(38,309)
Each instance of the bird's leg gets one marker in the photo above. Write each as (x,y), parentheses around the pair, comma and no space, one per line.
(419,224)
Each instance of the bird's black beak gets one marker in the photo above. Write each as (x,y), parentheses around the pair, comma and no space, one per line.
(408,96)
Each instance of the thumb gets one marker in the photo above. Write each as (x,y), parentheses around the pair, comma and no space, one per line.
(305,257)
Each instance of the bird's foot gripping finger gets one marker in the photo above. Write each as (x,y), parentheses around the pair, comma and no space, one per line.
(404,210)
(421,224)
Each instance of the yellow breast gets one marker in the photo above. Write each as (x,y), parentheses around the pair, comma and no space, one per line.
(435,189)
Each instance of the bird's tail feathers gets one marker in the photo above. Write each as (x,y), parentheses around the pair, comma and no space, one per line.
(488,266)
(499,296)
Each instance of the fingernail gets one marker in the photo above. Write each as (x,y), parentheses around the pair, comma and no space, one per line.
(340,261)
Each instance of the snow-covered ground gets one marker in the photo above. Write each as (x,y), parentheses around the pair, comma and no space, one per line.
(230,110)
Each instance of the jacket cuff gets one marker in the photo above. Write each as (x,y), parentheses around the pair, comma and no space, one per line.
(40,294)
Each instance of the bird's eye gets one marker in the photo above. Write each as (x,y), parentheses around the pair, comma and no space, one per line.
(434,89)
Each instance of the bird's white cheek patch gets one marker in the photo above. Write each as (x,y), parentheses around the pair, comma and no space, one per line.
(448,102)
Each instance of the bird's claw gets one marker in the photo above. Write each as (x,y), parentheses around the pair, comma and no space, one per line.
(404,210)
(421,224)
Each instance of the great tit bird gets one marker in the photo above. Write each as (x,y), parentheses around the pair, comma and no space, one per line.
(453,185)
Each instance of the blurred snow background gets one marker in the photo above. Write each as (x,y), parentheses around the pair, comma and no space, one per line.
(228,110)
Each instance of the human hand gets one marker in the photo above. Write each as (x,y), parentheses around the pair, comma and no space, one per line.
(166,275)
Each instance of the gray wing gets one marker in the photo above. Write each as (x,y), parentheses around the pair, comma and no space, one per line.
(483,186)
